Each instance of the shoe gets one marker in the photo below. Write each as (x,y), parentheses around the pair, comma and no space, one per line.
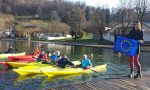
(138,76)
(131,75)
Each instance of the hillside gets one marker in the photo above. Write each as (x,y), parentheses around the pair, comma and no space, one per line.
(5,20)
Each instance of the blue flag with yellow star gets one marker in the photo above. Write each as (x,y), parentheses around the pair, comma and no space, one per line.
(126,46)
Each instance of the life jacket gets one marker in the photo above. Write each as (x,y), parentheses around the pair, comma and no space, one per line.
(36,51)
(85,63)
(10,50)
(41,57)
(53,57)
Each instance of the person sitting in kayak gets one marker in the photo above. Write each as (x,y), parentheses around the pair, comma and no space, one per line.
(48,56)
(55,56)
(86,63)
(41,57)
(63,62)
(36,52)
(10,50)
(58,55)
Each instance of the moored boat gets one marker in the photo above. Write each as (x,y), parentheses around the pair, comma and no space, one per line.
(7,55)
(35,68)
(21,64)
(68,71)
(21,58)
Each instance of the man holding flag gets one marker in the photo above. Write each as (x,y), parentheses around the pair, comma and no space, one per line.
(131,46)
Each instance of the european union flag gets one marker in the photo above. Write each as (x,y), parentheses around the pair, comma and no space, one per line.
(126,46)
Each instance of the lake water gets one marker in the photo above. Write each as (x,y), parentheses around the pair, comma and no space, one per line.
(116,65)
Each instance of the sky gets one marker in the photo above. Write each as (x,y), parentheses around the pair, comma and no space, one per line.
(107,3)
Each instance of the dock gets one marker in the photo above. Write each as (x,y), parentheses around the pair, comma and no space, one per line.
(111,83)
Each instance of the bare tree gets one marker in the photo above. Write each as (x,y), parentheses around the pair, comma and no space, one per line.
(126,14)
(98,22)
(141,8)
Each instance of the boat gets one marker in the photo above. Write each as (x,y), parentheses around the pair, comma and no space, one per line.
(7,55)
(30,70)
(69,71)
(21,58)
(21,64)
(35,68)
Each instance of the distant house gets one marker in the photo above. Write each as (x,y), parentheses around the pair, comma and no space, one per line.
(97,33)
(117,30)
(146,30)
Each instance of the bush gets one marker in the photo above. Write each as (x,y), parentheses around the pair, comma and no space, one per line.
(81,34)
(89,36)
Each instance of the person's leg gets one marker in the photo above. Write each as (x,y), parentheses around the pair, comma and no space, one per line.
(131,63)
(138,65)
(131,66)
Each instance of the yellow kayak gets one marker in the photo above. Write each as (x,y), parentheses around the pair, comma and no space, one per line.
(6,55)
(27,71)
(21,64)
(68,71)
(35,68)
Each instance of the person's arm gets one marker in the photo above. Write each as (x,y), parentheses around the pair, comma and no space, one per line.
(12,50)
(141,40)
(90,64)
(8,50)
(130,34)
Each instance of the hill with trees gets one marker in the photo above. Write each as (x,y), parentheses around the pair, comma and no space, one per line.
(30,17)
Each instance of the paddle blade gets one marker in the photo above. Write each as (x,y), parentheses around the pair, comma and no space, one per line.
(42,46)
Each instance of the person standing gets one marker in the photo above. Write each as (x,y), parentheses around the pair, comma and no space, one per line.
(136,34)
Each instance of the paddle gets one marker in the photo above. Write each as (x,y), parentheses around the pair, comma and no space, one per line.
(93,70)
(42,46)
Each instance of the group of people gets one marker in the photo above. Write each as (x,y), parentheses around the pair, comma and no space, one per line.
(55,58)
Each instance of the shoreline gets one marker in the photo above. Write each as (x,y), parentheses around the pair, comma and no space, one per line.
(144,47)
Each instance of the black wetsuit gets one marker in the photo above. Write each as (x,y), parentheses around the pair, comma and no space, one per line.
(10,50)
(63,62)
